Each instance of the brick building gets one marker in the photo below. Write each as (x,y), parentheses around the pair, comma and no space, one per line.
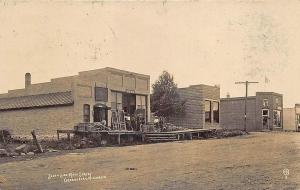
(202,107)
(264,112)
(291,118)
(90,96)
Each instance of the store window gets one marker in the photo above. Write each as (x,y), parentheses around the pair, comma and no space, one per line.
(277,118)
(140,102)
(86,113)
(298,120)
(116,101)
(216,112)
(207,111)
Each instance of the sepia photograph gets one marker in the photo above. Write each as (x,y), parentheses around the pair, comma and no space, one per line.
(149,95)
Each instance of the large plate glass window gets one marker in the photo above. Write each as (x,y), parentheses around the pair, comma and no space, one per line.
(207,111)
(140,102)
(116,101)
(277,118)
(216,112)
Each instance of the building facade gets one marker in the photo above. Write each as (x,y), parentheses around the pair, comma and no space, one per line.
(264,112)
(202,103)
(291,118)
(90,96)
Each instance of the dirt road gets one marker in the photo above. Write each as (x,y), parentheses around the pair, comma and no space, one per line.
(256,161)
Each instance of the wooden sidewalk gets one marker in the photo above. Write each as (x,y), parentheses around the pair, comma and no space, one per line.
(188,134)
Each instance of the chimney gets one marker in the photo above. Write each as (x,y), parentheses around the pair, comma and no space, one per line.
(27,80)
(227,95)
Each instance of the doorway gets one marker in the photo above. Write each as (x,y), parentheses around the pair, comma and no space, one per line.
(100,113)
(297,122)
(265,119)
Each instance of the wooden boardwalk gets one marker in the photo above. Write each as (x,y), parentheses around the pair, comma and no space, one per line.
(146,136)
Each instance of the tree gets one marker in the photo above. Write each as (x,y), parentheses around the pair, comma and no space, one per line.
(165,100)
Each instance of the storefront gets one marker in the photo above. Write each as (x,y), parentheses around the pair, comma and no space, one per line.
(264,112)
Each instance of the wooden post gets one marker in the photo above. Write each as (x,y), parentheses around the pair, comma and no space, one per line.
(3,137)
(36,142)
(143,138)
(57,135)
(119,138)
(69,138)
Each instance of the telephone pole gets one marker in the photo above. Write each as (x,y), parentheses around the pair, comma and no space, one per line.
(246,99)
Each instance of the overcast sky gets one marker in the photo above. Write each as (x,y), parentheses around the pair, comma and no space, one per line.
(204,42)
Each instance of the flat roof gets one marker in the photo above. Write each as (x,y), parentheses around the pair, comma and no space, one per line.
(200,85)
(237,98)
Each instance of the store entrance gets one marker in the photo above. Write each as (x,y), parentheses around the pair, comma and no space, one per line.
(100,113)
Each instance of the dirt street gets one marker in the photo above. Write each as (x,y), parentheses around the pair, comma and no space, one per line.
(256,161)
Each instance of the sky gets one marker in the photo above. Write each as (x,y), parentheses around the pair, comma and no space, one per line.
(199,42)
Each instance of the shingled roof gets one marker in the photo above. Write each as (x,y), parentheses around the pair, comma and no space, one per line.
(35,101)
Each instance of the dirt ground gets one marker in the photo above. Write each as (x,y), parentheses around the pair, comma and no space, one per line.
(255,161)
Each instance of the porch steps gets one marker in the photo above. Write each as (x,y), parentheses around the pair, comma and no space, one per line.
(162,137)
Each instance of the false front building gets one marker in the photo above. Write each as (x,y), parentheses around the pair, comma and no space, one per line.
(264,112)
(202,103)
(90,96)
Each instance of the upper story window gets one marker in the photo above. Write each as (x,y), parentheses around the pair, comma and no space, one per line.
(101,94)
(116,100)
(86,113)
(277,100)
(265,103)
(207,111)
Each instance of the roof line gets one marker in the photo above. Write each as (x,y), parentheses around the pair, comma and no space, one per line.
(35,95)
(37,107)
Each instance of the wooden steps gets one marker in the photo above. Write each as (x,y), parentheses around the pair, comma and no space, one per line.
(161,137)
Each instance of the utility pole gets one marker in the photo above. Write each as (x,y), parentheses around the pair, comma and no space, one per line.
(246,99)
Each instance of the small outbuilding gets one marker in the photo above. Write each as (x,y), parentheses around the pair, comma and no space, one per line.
(291,118)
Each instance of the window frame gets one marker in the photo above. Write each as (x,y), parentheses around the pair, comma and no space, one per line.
(278,119)
(266,102)
(116,100)
(86,113)
(262,112)
(105,91)
(218,111)
(208,120)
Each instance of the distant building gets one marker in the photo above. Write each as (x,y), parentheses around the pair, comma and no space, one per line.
(291,118)
(264,112)
(202,107)
(90,96)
